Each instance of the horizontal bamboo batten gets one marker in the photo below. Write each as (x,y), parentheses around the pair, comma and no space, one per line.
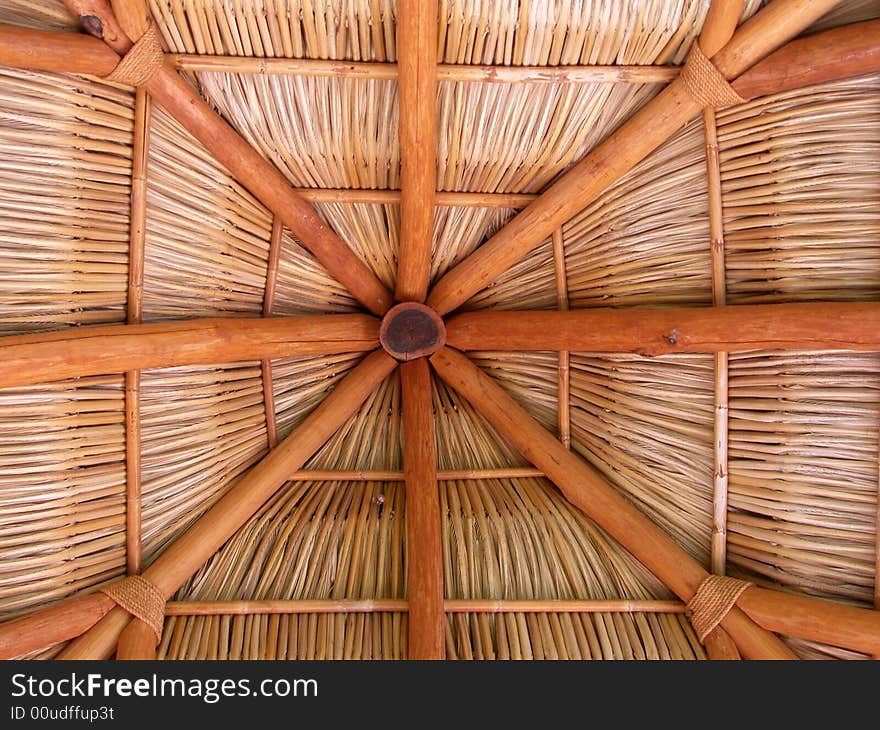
(814,325)
(103,349)
(393,475)
(417,92)
(646,130)
(191,550)
(445,72)
(441,198)
(393,605)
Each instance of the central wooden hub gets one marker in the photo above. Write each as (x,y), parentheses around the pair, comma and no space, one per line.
(412,330)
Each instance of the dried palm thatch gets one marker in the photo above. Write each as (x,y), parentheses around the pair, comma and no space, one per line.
(321,569)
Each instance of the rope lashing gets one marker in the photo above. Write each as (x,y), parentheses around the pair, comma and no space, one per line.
(141,598)
(142,62)
(713,601)
(705,83)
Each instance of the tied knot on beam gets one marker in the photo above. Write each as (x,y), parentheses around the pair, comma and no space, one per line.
(705,83)
(712,602)
(141,598)
(141,63)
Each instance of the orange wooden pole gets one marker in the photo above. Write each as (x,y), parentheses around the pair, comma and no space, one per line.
(47,356)
(137,641)
(812,325)
(417,64)
(424,548)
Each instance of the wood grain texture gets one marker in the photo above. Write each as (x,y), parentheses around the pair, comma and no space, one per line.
(813,325)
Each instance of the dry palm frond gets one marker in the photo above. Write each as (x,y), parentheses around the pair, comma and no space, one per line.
(645,241)
(803,470)
(813,650)
(301,383)
(201,428)
(460,231)
(801,185)
(44,15)
(62,489)
(517,137)
(65,171)
(646,425)
(622,636)
(847,11)
(303,285)
(300,636)
(207,242)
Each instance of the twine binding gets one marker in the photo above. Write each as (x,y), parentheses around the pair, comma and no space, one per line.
(141,598)
(142,62)
(712,602)
(705,83)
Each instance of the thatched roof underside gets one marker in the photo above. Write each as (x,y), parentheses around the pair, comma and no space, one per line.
(801,191)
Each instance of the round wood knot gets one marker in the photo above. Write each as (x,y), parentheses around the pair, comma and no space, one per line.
(412,330)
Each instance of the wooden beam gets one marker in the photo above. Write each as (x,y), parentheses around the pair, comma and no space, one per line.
(719,645)
(807,326)
(721,22)
(95,350)
(262,178)
(392,197)
(849,50)
(587,490)
(484,74)
(646,130)
(393,605)
(817,619)
(137,642)
(50,626)
(424,548)
(192,549)
(54,51)
(417,64)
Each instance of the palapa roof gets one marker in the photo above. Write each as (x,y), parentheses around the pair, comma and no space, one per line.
(743,439)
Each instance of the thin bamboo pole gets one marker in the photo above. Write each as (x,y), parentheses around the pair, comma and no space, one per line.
(192,549)
(137,642)
(654,123)
(849,50)
(801,326)
(393,605)
(719,299)
(417,65)
(268,305)
(586,489)
(392,197)
(564,360)
(262,178)
(137,239)
(424,548)
(486,74)
(366,475)
(717,31)
(95,350)
(49,626)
